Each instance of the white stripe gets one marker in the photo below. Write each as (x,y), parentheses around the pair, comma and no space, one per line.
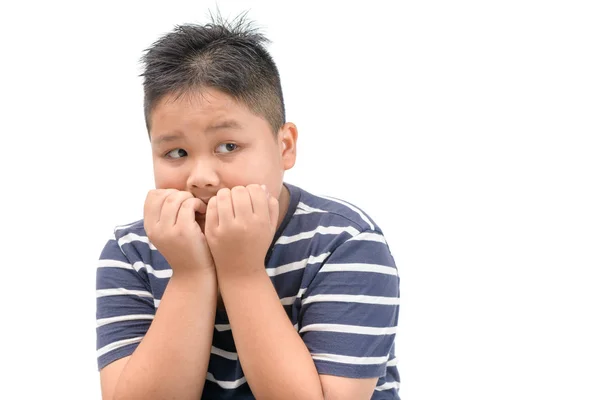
(117,345)
(356,210)
(356,267)
(223,327)
(286,301)
(360,330)
(351,298)
(159,273)
(113,264)
(349,359)
(122,291)
(323,230)
(392,363)
(388,386)
(156,303)
(133,317)
(226,384)
(306,209)
(296,265)
(132,237)
(300,211)
(369,236)
(225,354)
(121,227)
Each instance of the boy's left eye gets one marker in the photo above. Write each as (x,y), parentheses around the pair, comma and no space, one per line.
(226,147)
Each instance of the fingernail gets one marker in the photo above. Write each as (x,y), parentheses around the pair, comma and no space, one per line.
(264,188)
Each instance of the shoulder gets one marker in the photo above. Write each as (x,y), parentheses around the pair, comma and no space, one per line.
(130,229)
(320,224)
(333,210)
(131,239)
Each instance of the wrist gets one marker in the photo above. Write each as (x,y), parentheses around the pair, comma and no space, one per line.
(236,276)
(199,276)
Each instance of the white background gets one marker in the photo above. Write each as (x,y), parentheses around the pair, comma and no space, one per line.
(468,130)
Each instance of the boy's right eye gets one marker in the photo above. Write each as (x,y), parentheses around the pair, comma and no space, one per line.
(176,153)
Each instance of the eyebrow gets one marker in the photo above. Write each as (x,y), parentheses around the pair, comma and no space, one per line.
(226,124)
(169,137)
(176,135)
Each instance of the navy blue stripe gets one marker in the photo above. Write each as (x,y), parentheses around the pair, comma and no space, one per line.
(113,306)
(380,316)
(350,370)
(111,356)
(348,344)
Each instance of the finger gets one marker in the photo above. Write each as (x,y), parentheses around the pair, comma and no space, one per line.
(201,207)
(211,221)
(171,206)
(153,204)
(187,211)
(242,204)
(259,198)
(273,211)
(224,206)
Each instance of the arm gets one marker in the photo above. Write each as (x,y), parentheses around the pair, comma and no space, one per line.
(277,363)
(172,359)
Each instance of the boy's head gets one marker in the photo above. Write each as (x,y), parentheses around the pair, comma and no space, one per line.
(214,110)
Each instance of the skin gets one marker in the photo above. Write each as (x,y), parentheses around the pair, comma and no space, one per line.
(218,202)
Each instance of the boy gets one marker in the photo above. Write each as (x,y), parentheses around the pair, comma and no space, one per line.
(231,268)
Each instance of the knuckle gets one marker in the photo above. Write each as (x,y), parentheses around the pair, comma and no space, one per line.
(172,198)
(223,194)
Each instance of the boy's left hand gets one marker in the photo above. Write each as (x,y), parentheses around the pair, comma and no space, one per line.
(240,225)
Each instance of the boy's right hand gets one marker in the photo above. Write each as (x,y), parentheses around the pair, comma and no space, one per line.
(170,223)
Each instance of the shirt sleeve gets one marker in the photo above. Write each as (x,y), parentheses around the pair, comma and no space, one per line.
(124,306)
(349,312)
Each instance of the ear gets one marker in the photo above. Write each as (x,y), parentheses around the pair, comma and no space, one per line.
(286,139)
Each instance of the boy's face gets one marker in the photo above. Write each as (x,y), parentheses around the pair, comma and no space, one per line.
(208,141)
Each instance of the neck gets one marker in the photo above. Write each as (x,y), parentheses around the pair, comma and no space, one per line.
(284,203)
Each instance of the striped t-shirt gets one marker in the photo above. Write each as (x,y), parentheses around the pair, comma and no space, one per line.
(330,265)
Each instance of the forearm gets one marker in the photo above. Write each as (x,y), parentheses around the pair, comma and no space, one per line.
(276,362)
(172,359)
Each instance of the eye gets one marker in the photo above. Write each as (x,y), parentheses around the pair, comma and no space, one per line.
(226,147)
(176,153)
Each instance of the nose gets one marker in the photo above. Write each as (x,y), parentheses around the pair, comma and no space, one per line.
(203,174)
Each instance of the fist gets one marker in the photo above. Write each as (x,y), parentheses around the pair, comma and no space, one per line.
(170,223)
(240,225)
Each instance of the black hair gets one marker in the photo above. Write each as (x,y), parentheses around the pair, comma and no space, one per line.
(227,56)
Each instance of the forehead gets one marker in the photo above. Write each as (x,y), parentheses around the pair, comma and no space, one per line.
(201,110)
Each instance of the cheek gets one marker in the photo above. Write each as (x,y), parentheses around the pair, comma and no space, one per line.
(258,169)
(168,178)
